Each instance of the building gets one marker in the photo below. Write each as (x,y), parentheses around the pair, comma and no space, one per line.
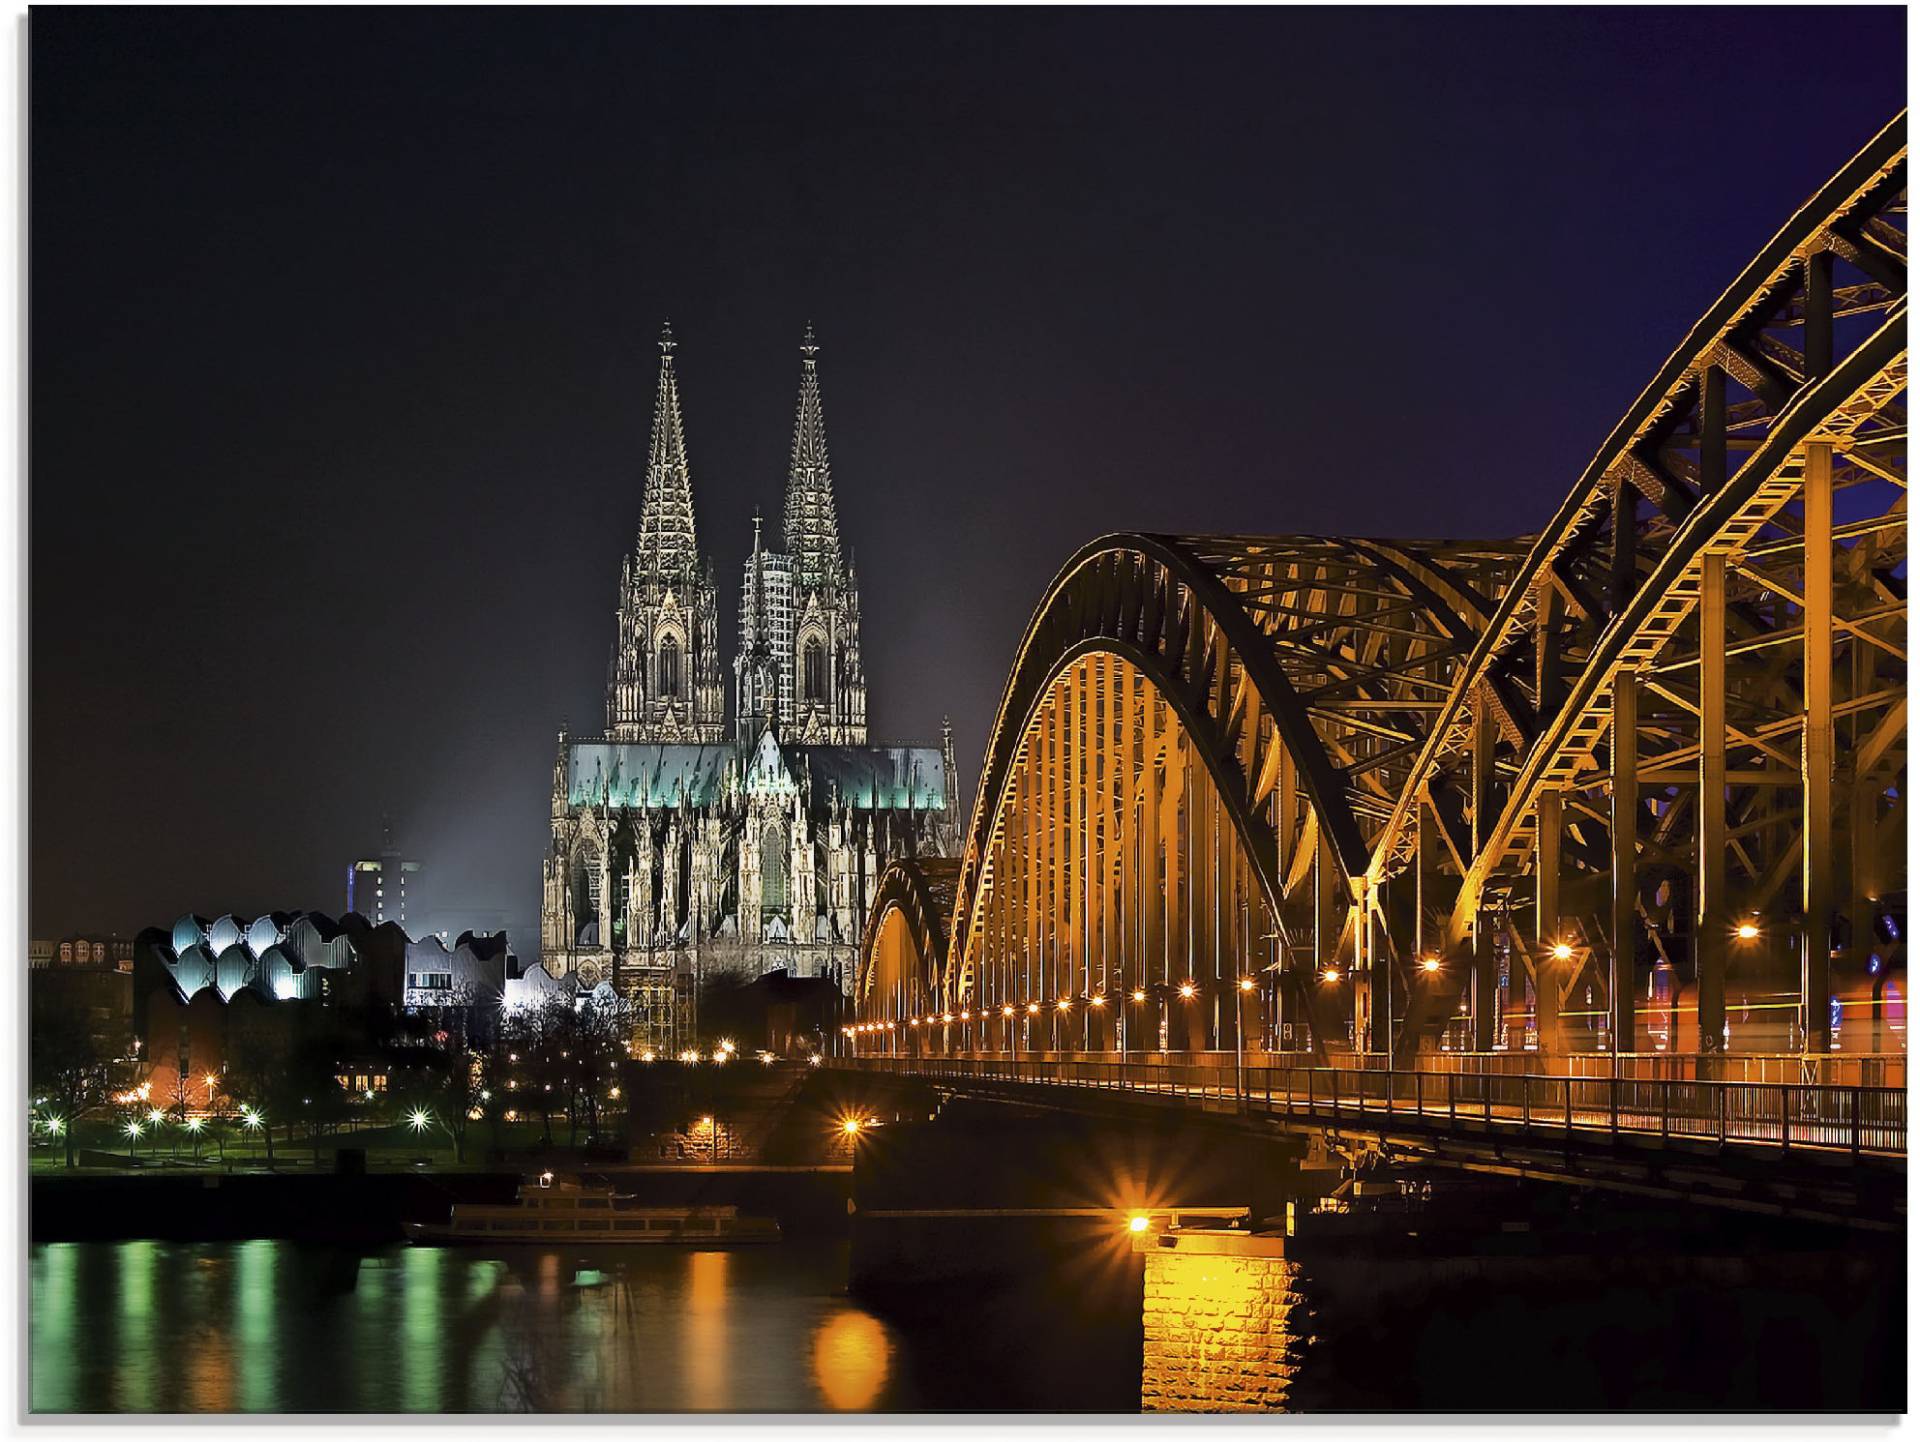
(99,994)
(114,953)
(377,886)
(680,847)
(195,984)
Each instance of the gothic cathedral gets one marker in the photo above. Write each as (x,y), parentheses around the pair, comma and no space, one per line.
(679,850)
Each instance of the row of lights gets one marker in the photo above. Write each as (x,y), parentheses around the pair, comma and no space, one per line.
(1562,951)
(1188,990)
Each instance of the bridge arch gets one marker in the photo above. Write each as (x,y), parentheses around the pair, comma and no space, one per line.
(1692,522)
(903,947)
(1398,760)
(1240,705)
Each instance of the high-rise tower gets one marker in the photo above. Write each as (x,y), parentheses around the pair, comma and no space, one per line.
(664,680)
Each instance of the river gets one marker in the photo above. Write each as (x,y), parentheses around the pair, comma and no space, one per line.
(273,1326)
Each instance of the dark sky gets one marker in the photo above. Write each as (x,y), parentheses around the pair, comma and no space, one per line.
(343,352)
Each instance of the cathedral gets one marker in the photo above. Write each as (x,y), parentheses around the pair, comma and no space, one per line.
(681,847)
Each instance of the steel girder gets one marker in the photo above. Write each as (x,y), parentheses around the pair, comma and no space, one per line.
(1413,703)
(1321,657)
(919,891)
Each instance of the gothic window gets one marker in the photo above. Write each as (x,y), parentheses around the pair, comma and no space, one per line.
(773,869)
(670,667)
(814,673)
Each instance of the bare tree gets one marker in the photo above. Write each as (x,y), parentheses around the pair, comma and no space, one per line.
(69,1070)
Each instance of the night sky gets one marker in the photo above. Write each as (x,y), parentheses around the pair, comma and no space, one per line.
(343,327)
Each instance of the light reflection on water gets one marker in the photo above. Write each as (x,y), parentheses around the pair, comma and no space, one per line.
(266,1326)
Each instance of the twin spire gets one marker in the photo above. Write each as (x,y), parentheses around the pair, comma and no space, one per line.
(668,545)
(812,533)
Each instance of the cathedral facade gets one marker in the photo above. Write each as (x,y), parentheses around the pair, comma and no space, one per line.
(681,846)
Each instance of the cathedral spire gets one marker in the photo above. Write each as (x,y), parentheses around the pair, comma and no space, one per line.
(667,546)
(812,531)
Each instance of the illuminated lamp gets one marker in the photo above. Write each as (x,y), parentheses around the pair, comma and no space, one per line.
(1006,1011)
(1139,995)
(1096,1001)
(1330,974)
(1246,983)
(1562,951)
(1747,931)
(1064,1004)
(1137,1223)
(1033,1008)
(1430,963)
(1186,990)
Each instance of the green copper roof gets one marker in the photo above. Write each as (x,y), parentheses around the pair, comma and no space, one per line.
(867,778)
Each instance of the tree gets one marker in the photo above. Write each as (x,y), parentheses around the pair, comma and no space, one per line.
(69,1070)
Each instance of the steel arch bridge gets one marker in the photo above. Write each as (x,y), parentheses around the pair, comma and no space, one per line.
(1635,784)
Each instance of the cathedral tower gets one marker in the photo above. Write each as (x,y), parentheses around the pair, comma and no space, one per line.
(823,687)
(664,679)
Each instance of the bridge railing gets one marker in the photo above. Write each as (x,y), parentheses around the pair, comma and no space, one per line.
(1861,1120)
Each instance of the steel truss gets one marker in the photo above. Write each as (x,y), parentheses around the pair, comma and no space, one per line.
(1360,794)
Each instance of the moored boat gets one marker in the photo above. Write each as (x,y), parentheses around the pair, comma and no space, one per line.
(590,1214)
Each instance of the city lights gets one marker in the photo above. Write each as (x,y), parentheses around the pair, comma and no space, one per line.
(418,1119)
(1139,995)
(1186,991)
(1006,1011)
(1138,1222)
(647,1057)
(55,1126)
(1033,1008)
(1064,1004)
(1246,983)
(156,1116)
(195,1124)
(1096,1001)
(1430,963)
(814,1060)
(1330,974)
(1747,930)
(133,1129)
(1562,951)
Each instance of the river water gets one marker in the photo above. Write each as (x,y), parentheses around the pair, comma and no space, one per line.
(271,1326)
(275,1326)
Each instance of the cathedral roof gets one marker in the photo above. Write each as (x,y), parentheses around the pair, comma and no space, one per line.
(646,774)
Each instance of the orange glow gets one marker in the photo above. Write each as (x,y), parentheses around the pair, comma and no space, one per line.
(1033,1008)
(1006,1011)
(1431,963)
(1561,951)
(1096,1001)
(1063,1003)
(1246,983)
(850,1357)
(1139,996)
(1747,931)
(1330,974)
(1186,990)
(1137,1224)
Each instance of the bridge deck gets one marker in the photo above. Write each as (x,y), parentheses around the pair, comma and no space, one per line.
(1755,1117)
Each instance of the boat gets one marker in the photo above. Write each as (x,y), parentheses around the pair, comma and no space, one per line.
(550,1213)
